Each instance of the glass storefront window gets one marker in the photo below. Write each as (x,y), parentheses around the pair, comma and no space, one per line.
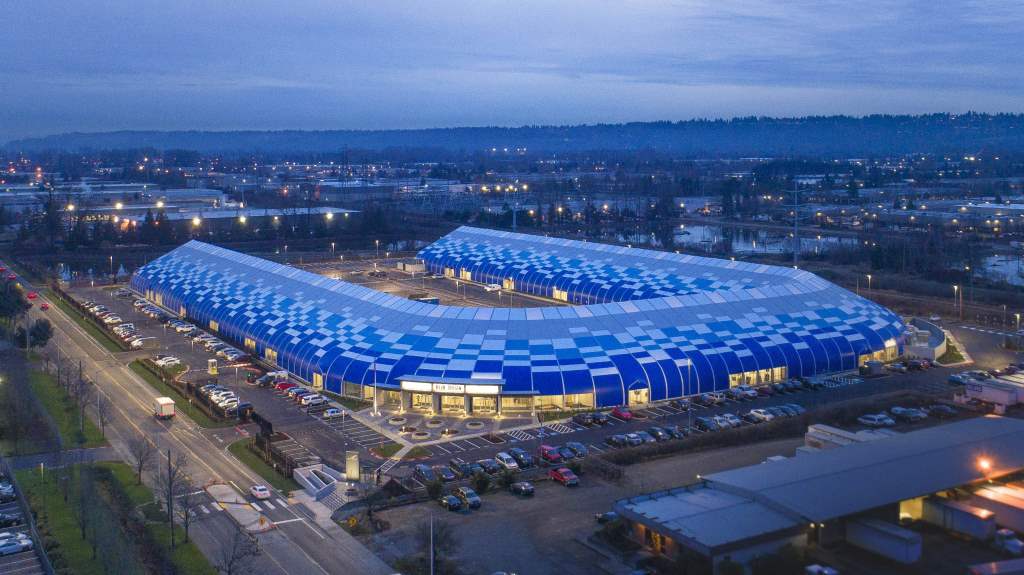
(484,404)
(516,403)
(421,401)
(453,403)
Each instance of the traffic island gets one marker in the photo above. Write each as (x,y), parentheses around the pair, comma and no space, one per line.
(240,510)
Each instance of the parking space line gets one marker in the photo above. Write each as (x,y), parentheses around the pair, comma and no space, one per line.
(442,448)
(205,510)
(256,506)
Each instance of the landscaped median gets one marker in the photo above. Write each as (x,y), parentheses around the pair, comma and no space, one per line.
(156,379)
(90,522)
(242,451)
(74,431)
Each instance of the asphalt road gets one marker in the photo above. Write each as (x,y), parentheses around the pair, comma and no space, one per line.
(296,547)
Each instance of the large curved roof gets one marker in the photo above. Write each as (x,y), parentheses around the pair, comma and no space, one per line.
(720,317)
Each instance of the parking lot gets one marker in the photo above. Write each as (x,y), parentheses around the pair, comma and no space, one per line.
(328,438)
(546,534)
(16,559)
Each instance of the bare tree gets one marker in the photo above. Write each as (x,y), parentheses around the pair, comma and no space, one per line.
(103,413)
(237,556)
(171,475)
(187,499)
(141,452)
(81,392)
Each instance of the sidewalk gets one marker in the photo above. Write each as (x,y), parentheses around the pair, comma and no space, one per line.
(69,457)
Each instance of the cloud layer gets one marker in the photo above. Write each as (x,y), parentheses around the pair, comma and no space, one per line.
(234,64)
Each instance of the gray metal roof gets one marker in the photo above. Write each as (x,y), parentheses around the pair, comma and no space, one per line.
(829,484)
(704,518)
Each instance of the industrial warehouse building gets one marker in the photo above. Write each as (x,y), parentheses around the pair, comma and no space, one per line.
(635,326)
(821,498)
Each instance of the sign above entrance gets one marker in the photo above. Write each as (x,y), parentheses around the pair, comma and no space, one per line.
(451,388)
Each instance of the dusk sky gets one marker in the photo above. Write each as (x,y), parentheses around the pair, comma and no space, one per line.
(74,65)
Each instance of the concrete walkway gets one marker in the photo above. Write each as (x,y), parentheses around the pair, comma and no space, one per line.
(69,457)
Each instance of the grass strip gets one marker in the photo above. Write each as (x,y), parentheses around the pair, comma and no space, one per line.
(181,404)
(952,355)
(64,412)
(240,449)
(57,523)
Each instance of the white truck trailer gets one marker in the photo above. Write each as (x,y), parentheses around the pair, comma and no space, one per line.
(959,517)
(885,539)
(163,408)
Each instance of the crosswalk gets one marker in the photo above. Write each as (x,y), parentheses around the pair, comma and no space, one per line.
(988,331)
(520,435)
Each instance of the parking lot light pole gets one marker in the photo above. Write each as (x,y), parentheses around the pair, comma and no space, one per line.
(376,412)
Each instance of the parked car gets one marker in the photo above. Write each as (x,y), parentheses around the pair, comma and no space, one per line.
(705,399)
(677,431)
(524,488)
(617,440)
(492,287)
(577,448)
(907,413)
(762,415)
(898,367)
(444,473)
(285,386)
(705,424)
(584,419)
(765,390)
(623,413)
(308,398)
(941,410)
(549,454)
(876,420)
(606,517)
(460,468)
(12,546)
(489,466)
(566,453)
(424,473)
(658,433)
(522,457)
(260,492)
(646,437)
(600,418)
(468,497)
(331,413)
(634,439)
(450,502)
(506,461)
(796,407)
(733,419)
(9,520)
(681,404)
(565,476)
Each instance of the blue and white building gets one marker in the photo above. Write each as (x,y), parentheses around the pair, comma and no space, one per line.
(626,326)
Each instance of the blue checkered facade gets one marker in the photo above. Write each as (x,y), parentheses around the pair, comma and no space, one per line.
(676,324)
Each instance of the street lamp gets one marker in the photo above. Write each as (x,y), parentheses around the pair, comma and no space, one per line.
(984,465)
(332,247)
(1017,315)
(376,244)
(869,283)
(111,265)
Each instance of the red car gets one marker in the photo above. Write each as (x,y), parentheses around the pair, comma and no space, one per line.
(284,386)
(2,269)
(32,295)
(11,277)
(549,454)
(622,413)
(44,306)
(565,476)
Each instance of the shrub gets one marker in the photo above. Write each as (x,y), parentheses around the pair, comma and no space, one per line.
(435,488)
(481,483)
